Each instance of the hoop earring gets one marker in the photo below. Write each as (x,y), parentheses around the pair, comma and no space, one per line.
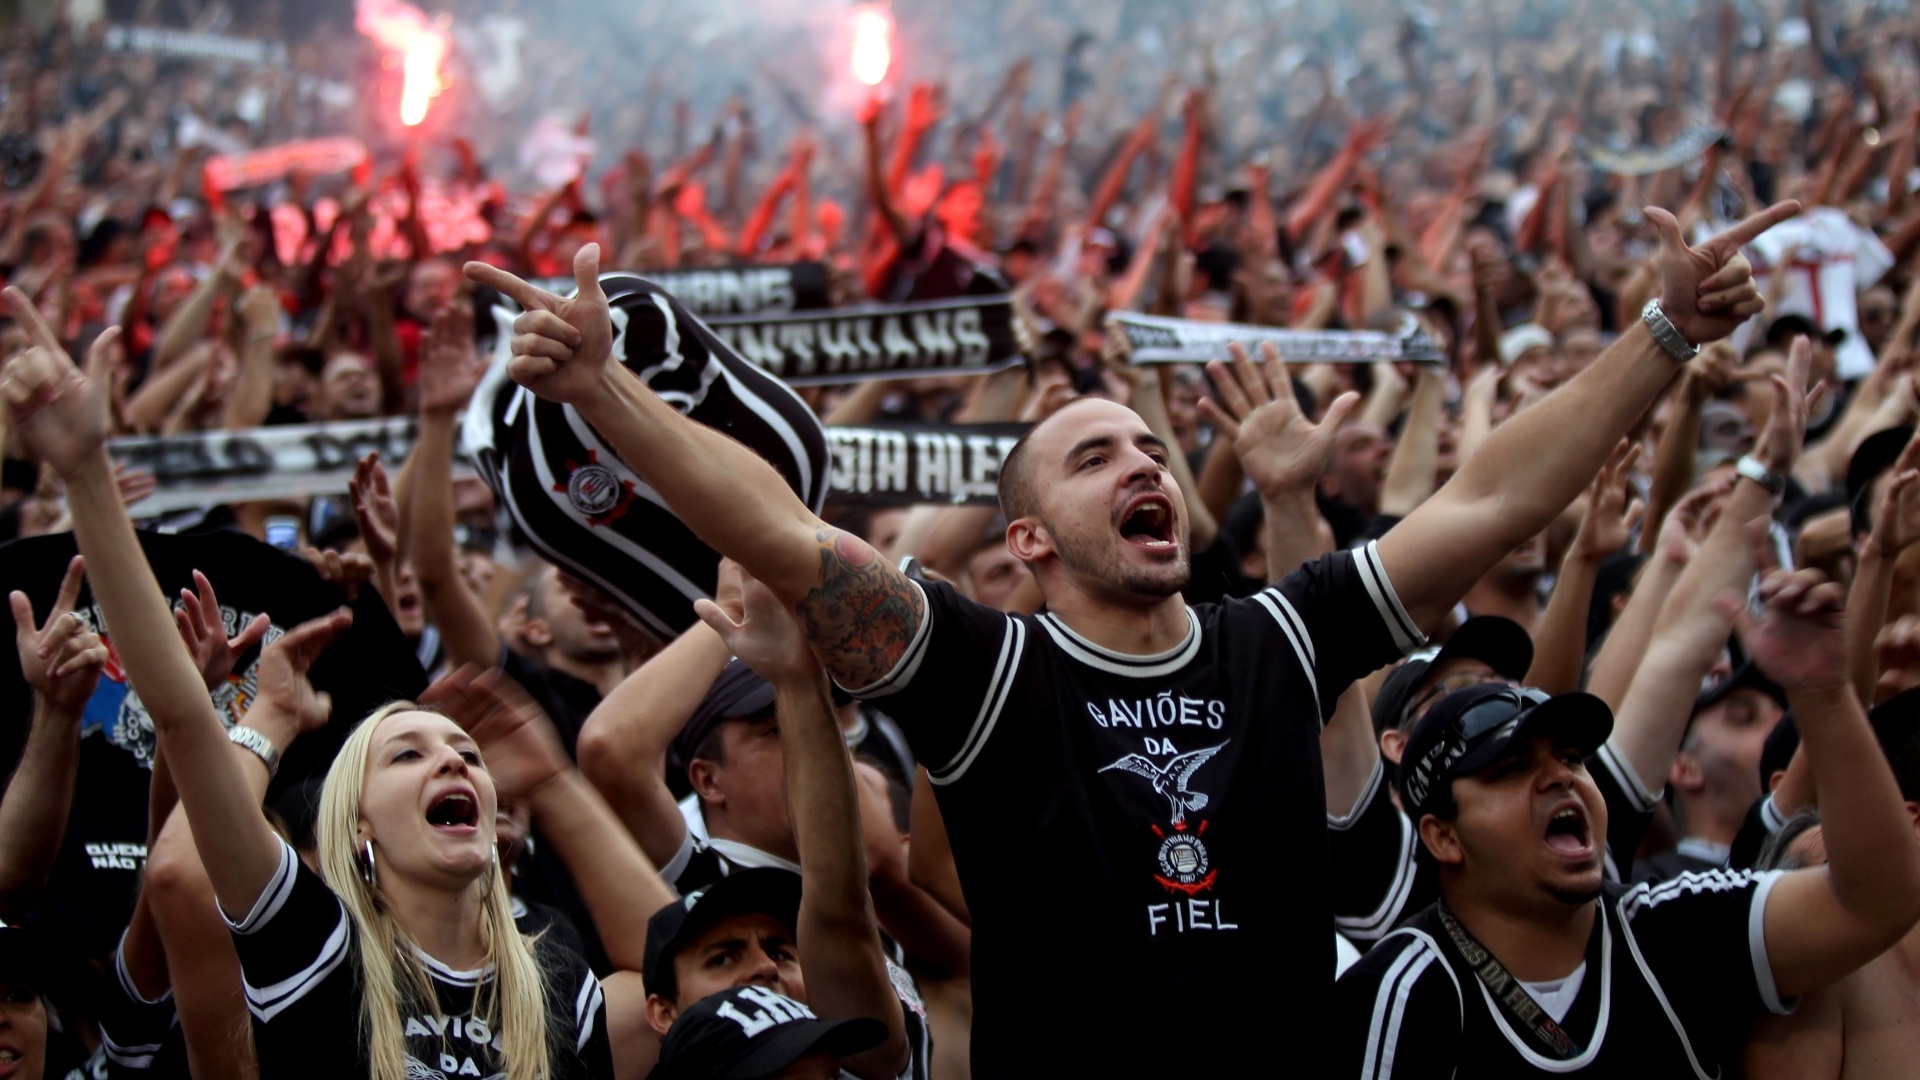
(367,872)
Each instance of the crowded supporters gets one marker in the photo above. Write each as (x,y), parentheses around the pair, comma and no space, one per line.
(1419,505)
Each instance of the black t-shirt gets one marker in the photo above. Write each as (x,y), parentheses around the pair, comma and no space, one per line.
(1378,879)
(1674,977)
(299,963)
(138,1038)
(1147,823)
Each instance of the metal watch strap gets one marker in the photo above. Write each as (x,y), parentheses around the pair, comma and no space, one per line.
(261,746)
(1752,468)
(1667,334)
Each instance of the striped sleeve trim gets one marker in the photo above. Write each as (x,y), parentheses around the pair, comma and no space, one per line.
(1770,817)
(1757,944)
(126,977)
(135,1058)
(999,687)
(1343,822)
(1372,926)
(1390,1008)
(272,898)
(908,665)
(1296,634)
(1373,575)
(587,1005)
(267,1002)
(1628,780)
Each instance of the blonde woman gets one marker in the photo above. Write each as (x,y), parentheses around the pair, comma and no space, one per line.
(402,963)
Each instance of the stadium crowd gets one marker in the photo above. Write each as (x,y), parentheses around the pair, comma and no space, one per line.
(1533,690)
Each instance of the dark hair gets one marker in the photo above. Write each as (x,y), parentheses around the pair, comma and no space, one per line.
(308,357)
(711,746)
(1773,850)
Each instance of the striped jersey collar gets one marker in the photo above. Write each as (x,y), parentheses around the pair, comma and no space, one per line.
(1118,663)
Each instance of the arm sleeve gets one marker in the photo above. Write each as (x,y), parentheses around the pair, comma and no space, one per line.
(1630,807)
(133,1030)
(294,939)
(1397,1016)
(1339,616)
(952,682)
(1372,852)
(1704,937)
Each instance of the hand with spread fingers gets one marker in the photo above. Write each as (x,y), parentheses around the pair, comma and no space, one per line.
(765,634)
(286,704)
(374,510)
(1896,513)
(562,349)
(60,659)
(1778,447)
(1798,641)
(1610,517)
(61,412)
(517,742)
(1281,450)
(450,365)
(204,629)
(1707,291)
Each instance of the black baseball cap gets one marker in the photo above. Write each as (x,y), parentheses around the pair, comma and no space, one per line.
(1875,455)
(1787,327)
(1500,643)
(1746,675)
(751,1031)
(738,693)
(764,890)
(1470,729)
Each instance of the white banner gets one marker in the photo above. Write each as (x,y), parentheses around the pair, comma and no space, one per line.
(187,45)
(1160,340)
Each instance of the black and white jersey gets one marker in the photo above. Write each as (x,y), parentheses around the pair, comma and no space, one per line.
(1378,880)
(1148,823)
(138,1037)
(1674,976)
(299,965)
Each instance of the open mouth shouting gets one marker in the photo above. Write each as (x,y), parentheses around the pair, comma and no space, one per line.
(456,812)
(1568,835)
(1147,522)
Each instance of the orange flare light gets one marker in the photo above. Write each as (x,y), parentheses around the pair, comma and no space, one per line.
(399,27)
(872,50)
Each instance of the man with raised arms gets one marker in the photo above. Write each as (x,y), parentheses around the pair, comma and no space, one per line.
(1132,785)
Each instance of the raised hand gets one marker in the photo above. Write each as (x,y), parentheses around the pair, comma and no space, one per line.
(517,743)
(562,349)
(1798,642)
(1898,651)
(349,571)
(1281,450)
(61,412)
(1610,518)
(1778,447)
(1896,513)
(1708,290)
(450,364)
(374,510)
(60,659)
(205,632)
(765,634)
(1687,524)
(284,693)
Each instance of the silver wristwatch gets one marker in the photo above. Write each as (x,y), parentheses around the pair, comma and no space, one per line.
(262,747)
(1752,468)
(1667,334)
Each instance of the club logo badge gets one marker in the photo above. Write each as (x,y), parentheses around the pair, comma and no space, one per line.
(1185,865)
(596,491)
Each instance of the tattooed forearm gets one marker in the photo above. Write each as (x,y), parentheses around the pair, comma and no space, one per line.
(862,614)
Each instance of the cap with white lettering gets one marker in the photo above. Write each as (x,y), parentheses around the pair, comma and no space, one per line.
(751,1031)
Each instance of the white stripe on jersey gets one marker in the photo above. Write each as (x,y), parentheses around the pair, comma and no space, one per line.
(1626,778)
(272,898)
(1380,920)
(1389,1007)
(267,1002)
(1302,649)
(585,1004)
(1343,822)
(998,689)
(127,1057)
(1406,633)
(1124,664)
(909,663)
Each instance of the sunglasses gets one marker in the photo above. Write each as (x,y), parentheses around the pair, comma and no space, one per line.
(1494,711)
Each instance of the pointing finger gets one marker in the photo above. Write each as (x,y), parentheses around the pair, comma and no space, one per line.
(70,585)
(23,309)
(520,292)
(1743,232)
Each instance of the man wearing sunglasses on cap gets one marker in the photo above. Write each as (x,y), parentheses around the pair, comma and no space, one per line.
(1530,959)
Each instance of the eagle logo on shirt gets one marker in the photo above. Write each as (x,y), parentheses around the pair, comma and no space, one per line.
(1172,779)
